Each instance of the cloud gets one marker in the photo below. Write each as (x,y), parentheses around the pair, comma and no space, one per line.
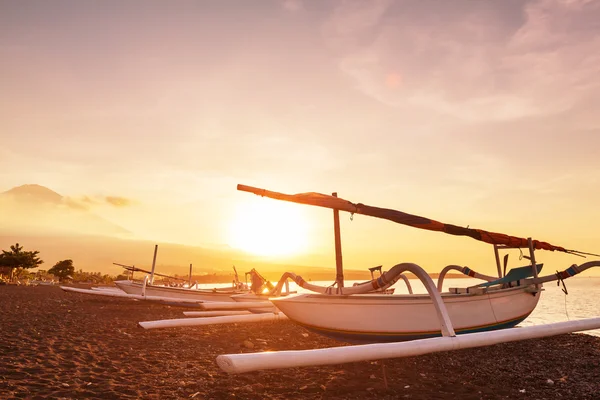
(86,202)
(475,61)
(76,204)
(293,5)
(117,201)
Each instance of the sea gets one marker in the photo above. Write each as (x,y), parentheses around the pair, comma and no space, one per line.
(581,299)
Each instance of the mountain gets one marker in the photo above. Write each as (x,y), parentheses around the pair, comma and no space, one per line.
(33,193)
(35,209)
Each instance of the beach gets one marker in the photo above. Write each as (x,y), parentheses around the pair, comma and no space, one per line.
(74,346)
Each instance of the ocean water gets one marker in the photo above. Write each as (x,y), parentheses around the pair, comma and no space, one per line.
(582,300)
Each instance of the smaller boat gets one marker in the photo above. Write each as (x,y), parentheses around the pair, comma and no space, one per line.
(189,291)
(215,294)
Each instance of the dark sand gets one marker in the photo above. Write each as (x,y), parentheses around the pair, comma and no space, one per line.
(66,345)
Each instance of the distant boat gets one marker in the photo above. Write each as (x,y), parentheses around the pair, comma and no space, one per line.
(216,294)
(191,292)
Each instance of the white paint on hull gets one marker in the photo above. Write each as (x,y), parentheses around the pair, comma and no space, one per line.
(405,314)
(109,293)
(165,291)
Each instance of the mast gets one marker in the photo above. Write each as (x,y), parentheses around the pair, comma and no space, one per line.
(339,268)
(153,265)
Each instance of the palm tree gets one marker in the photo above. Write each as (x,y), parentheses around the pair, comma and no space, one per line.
(17,258)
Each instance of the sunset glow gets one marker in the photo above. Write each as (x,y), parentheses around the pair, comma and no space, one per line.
(269,228)
(147,114)
(414,176)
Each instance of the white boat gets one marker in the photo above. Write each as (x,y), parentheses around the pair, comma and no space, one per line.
(478,313)
(346,313)
(189,292)
(120,294)
(217,294)
(394,318)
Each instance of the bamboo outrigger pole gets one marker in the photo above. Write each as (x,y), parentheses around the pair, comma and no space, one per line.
(238,363)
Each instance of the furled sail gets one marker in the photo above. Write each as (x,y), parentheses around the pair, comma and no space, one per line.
(322,200)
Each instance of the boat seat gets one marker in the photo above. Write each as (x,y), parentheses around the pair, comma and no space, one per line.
(377,268)
(467,290)
(514,275)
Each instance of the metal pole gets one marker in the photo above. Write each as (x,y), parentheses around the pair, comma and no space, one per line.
(190,280)
(153,265)
(339,268)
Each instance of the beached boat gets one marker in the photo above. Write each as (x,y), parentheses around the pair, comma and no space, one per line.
(397,318)
(413,324)
(216,294)
(186,291)
(345,313)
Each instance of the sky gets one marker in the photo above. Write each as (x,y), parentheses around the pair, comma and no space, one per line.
(476,113)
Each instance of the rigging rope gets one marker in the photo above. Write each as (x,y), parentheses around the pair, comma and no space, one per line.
(565,291)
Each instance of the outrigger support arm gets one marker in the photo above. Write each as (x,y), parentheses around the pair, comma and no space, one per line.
(561,275)
(567,273)
(407,282)
(440,308)
(465,270)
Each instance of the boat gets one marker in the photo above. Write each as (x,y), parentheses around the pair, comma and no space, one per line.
(116,293)
(410,325)
(190,292)
(216,294)
(351,315)
(186,291)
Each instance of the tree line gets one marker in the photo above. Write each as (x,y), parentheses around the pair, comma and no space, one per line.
(16,263)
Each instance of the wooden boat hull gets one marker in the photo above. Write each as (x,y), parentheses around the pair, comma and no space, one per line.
(179,293)
(380,318)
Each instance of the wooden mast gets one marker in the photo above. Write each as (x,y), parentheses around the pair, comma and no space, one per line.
(153,265)
(339,267)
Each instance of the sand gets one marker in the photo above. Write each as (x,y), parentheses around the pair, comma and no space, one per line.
(55,344)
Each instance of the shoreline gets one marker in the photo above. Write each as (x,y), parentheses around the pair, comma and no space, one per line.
(66,345)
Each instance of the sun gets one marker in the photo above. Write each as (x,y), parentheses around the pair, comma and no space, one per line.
(268,227)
